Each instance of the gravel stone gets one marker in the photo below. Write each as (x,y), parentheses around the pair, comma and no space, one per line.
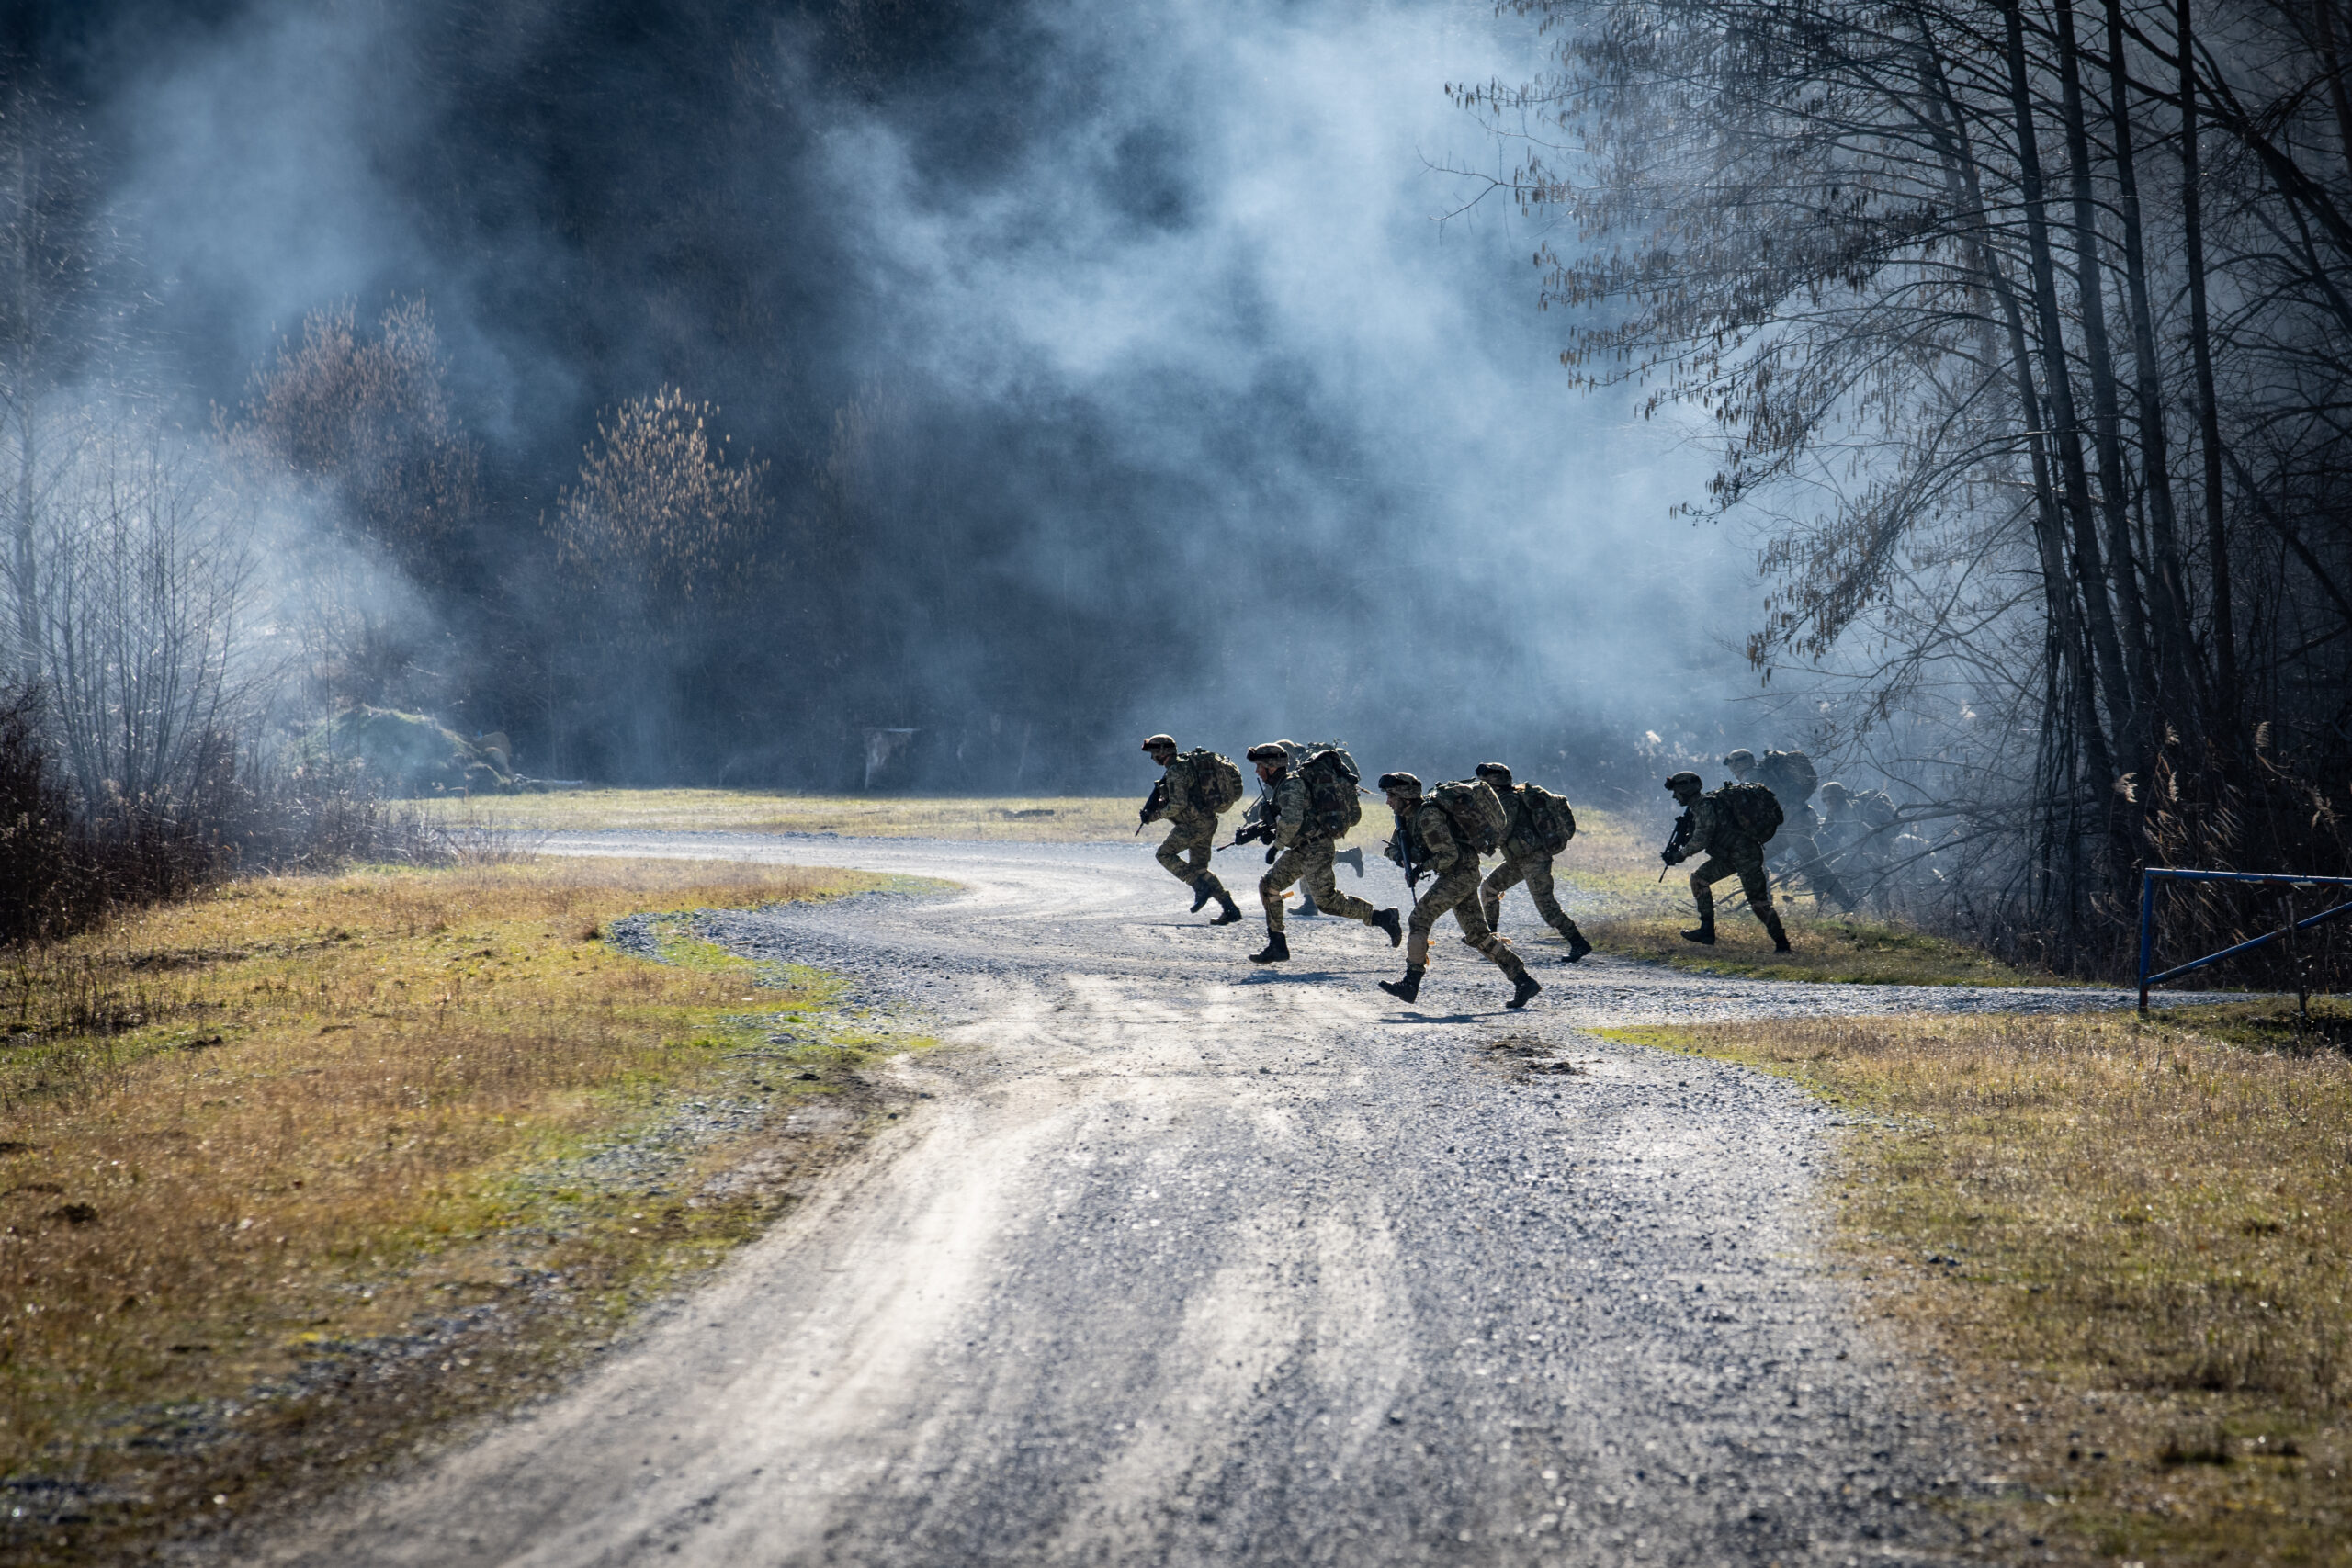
(1184,1261)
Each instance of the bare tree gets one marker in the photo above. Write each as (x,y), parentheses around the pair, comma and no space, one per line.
(141,624)
(387,480)
(47,251)
(1880,244)
(662,533)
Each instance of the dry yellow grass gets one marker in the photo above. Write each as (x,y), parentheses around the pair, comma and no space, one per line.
(257,1145)
(1044,819)
(1607,878)
(2130,1244)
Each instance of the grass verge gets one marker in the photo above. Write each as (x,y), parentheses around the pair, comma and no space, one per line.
(2130,1244)
(1607,878)
(1608,882)
(294,1174)
(1836,949)
(1045,819)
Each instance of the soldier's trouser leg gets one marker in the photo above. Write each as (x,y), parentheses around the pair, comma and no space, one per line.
(1322,878)
(1702,892)
(1500,880)
(1477,937)
(1759,888)
(1809,862)
(1300,862)
(1753,881)
(1539,888)
(1457,891)
(1185,852)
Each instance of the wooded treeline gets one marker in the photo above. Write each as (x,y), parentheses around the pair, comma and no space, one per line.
(2027,333)
(698,532)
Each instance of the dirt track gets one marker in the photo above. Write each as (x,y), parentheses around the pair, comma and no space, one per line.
(1189,1263)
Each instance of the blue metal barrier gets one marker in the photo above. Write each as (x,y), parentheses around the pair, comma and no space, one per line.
(2152,875)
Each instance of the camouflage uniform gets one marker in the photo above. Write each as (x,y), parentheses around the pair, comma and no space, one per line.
(1524,860)
(1730,853)
(1304,857)
(1789,775)
(1192,834)
(1430,837)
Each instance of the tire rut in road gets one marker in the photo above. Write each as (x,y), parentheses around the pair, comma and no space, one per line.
(1192,1263)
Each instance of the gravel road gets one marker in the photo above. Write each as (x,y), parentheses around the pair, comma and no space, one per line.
(1185,1262)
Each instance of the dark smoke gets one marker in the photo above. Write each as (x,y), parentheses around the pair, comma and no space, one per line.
(1113,368)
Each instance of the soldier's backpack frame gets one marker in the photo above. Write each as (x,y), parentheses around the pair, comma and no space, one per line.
(1216,788)
(1551,821)
(1331,777)
(1476,812)
(1755,807)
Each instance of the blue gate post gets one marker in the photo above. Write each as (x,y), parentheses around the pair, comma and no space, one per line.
(2147,934)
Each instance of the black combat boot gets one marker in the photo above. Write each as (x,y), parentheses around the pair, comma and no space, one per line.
(1202,891)
(1577,946)
(1705,931)
(1407,989)
(1771,919)
(1276,950)
(1387,920)
(1231,915)
(1522,990)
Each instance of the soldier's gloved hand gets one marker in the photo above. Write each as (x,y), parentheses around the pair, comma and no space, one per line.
(1272,851)
(1671,857)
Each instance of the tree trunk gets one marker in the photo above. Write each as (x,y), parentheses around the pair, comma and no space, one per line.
(2106,650)
(2168,601)
(2217,544)
(2090,283)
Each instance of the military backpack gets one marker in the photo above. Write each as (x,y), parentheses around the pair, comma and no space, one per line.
(1475,811)
(1545,820)
(1790,775)
(1216,784)
(1754,807)
(1329,777)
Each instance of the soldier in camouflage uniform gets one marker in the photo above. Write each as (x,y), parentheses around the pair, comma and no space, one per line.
(1714,831)
(1428,840)
(1297,852)
(1523,861)
(1191,833)
(1789,775)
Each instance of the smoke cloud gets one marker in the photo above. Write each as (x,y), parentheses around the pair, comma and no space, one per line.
(1123,368)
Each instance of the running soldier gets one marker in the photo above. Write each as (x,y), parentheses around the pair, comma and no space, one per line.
(1427,840)
(1527,855)
(1298,850)
(1184,799)
(1709,825)
(1790,775)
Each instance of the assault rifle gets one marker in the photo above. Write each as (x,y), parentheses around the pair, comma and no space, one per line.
(1157,799)
(1675,852)
(1401,850)
(1249,833)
